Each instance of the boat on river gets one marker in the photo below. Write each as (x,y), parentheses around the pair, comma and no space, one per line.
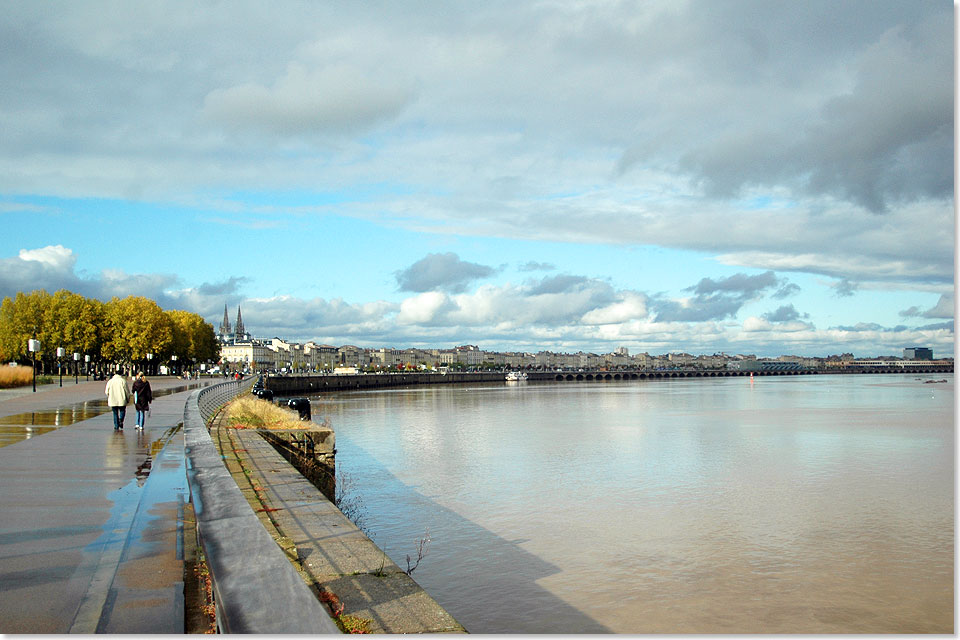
(516,376)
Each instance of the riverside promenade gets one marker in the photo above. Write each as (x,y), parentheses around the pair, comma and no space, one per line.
(91,537)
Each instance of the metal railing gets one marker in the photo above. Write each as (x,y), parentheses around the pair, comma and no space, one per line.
(256,589)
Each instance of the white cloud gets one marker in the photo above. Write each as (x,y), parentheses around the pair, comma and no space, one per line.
(631,307)
(770,146)
(754,324)
(423,309)
(56,257)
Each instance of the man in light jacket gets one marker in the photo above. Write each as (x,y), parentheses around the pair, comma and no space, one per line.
(118,395)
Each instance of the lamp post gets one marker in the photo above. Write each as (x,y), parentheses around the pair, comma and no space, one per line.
(86,360)
(149,358)
(76,368)
(173,359)
(60,353)
(33,346)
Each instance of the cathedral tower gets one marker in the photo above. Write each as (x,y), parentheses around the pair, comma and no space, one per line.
(225,329)
(239,331)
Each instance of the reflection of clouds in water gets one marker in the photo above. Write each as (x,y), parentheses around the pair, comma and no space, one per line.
(668,506)
(22,426)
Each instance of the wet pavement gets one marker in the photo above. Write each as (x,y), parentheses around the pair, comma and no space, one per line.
(91,537)
(21,426)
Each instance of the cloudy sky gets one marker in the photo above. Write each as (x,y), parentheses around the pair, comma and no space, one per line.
(760,177)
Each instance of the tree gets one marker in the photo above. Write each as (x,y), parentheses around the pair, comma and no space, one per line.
(74,323)
(193,337)
(22,318)
(135,326)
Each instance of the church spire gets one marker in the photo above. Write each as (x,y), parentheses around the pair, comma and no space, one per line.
(225,325)
(239,328)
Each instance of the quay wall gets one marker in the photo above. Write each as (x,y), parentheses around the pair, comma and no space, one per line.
(306,384)
(256,589)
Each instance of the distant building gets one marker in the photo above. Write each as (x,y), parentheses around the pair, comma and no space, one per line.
(225,328)
(918,353)
(764,366)
(228,334)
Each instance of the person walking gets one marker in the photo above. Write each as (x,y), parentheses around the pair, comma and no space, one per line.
(118,395)
(142,397)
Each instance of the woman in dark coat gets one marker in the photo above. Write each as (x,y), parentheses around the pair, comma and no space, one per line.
(142,397)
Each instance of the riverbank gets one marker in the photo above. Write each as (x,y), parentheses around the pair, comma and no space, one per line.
(307,384)
(363,588)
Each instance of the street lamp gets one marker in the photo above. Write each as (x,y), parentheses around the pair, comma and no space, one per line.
(60,353)
(149,358)
(76,368)
(173,359)
(33,346)
(86,360)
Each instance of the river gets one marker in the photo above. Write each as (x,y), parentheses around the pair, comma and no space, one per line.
(797,504)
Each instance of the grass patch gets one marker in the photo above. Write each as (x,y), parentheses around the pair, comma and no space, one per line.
(11,377)
(250,412)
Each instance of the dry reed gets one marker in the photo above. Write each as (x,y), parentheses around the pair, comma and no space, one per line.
(249,412)
(15,376)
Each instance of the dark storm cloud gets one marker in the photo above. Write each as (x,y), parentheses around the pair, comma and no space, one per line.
(441,272)
(848,100)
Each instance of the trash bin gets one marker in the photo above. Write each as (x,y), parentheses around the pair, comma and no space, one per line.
(301,406)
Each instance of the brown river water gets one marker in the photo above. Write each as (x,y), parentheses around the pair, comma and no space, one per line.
(808,504)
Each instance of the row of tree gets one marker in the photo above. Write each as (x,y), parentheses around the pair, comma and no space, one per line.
(120,331)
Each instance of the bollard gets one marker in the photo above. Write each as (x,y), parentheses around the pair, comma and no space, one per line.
(301,406)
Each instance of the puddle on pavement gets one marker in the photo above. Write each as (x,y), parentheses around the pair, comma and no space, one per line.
(23,426)
(158,479)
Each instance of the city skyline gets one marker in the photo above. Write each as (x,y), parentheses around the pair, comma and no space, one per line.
(743,177)
(227,334)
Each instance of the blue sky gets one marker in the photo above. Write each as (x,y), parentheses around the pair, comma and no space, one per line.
(746,177)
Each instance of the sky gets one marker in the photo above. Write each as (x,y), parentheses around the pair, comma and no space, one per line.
(750,177)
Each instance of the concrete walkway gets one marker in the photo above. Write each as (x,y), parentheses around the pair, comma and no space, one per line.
(91,528)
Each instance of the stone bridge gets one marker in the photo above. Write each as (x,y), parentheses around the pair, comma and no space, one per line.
(319,383)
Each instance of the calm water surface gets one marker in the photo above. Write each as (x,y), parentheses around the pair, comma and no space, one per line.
(818,504)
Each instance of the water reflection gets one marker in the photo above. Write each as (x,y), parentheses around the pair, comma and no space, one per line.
(792,505)
(23,426)
(159,480)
